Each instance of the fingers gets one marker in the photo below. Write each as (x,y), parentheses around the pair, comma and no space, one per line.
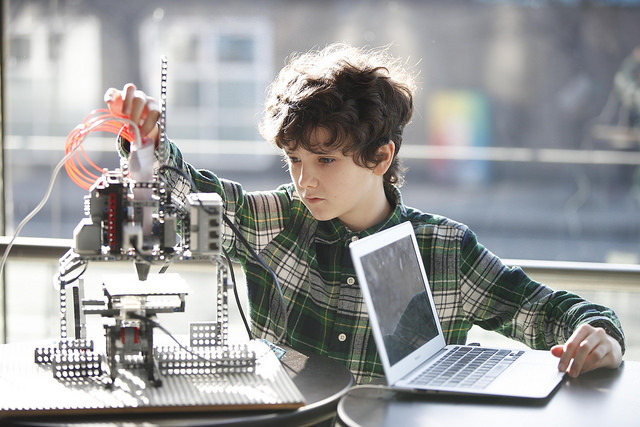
(119,101)
(114,101)
(570,348)
(136,105)
(597,358)
(557,350)
(143,110)
(587,349)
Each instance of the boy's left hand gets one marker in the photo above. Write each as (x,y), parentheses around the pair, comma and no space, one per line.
(587,349)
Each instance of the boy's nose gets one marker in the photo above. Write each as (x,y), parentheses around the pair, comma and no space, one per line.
(306,178)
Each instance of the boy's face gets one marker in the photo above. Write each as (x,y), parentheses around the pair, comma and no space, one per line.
(332,185)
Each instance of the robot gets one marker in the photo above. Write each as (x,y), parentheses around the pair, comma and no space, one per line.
(131,215)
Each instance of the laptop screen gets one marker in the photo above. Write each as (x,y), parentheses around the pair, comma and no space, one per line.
(397,291)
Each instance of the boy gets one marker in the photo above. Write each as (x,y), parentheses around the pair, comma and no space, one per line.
(338,115)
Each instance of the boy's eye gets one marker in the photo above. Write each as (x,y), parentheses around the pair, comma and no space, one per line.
(326,160)
(293,159)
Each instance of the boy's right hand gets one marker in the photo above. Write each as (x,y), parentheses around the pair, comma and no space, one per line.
(137,106)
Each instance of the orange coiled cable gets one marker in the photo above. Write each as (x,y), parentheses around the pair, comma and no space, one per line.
(78,165)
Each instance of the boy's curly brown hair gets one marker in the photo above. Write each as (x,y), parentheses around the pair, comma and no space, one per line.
(363,98)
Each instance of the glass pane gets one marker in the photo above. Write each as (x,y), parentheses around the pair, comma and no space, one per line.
(235,48)
(55,41)
(184,47)
(246,133)
(19,49)
(186,94)
(233,94)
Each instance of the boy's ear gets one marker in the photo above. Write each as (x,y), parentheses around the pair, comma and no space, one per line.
(384,157)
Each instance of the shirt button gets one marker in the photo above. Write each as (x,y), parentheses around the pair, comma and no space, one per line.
(354,238)
(351,281)
(342,337)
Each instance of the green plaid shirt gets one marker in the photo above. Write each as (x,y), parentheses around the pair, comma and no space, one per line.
(324,306)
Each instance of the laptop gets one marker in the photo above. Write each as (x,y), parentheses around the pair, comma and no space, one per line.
(409,337)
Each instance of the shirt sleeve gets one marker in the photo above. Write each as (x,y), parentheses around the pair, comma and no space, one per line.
(506,300)
(259,216)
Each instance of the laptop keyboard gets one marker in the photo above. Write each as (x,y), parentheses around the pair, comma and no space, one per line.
(467,367)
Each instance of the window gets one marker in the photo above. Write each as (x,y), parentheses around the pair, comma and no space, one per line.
(526,115)
(526,125)
(217,74)
(19,50)
(53,79)
(527,121)
(236,48)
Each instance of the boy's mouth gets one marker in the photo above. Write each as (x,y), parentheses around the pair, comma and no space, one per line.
(313,200)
